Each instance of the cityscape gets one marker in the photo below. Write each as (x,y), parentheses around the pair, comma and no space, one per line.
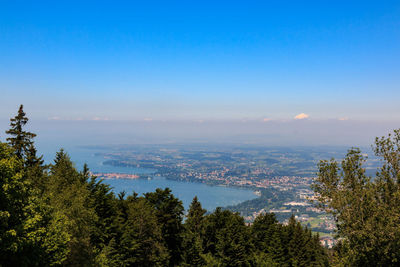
(280,177)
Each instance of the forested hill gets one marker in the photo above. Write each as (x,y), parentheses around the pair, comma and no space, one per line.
(58,215)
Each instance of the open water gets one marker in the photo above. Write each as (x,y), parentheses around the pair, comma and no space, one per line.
(209,196)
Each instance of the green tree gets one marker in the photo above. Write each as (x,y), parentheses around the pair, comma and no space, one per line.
(226,237)
(30,234)
(286,245)
(22,142)
(267,237)
(263,229)
(35,169)
(261,259)
(192,250)
(20,139)
(169,211)
(69,194)
(142,236)
(367,210)
(104,204)
(298,243)
(192,242)
(138,241)
(195,217)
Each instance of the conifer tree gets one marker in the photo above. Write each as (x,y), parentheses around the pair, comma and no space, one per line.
(32,160)
(35,169)
(192,242)
(71,197)
(267,235)
(263,229)
(226,238)
(20,139)
(139,241)
(279,246)
(192,250)
(195,216)
(169,214)
(22,142)
(297,243)
(104,204)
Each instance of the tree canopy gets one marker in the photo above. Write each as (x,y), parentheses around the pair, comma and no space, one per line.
(366,209)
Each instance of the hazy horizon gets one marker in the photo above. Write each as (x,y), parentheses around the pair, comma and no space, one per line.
(272,133)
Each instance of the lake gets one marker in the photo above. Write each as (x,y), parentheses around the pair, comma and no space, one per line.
(209,196)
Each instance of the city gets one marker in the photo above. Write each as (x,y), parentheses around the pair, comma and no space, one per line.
(280,177)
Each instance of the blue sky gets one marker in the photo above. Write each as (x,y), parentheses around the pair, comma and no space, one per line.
(205,61)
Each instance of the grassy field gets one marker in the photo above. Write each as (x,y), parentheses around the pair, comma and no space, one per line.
(315,222)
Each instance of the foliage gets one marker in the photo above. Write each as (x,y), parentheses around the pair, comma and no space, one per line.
(169,212)
(367,210)
(69,194)
(30,233)
(138,241)
(192,242)
(20,140)
(287,245)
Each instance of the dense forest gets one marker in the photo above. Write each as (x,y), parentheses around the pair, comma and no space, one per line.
(58,215)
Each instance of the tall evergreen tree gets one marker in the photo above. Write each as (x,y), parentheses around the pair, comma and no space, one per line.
(20,139)
(169,214)
(226,237)
(263,229)
(32,159)
(195,217)
(268,238)
(35,169)
(22,142)
(192,242)
(297,243)
(233,246)
(70,196)
(141,239)
(192,250)
(104,204)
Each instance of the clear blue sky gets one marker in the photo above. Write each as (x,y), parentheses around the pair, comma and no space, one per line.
(209,60)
